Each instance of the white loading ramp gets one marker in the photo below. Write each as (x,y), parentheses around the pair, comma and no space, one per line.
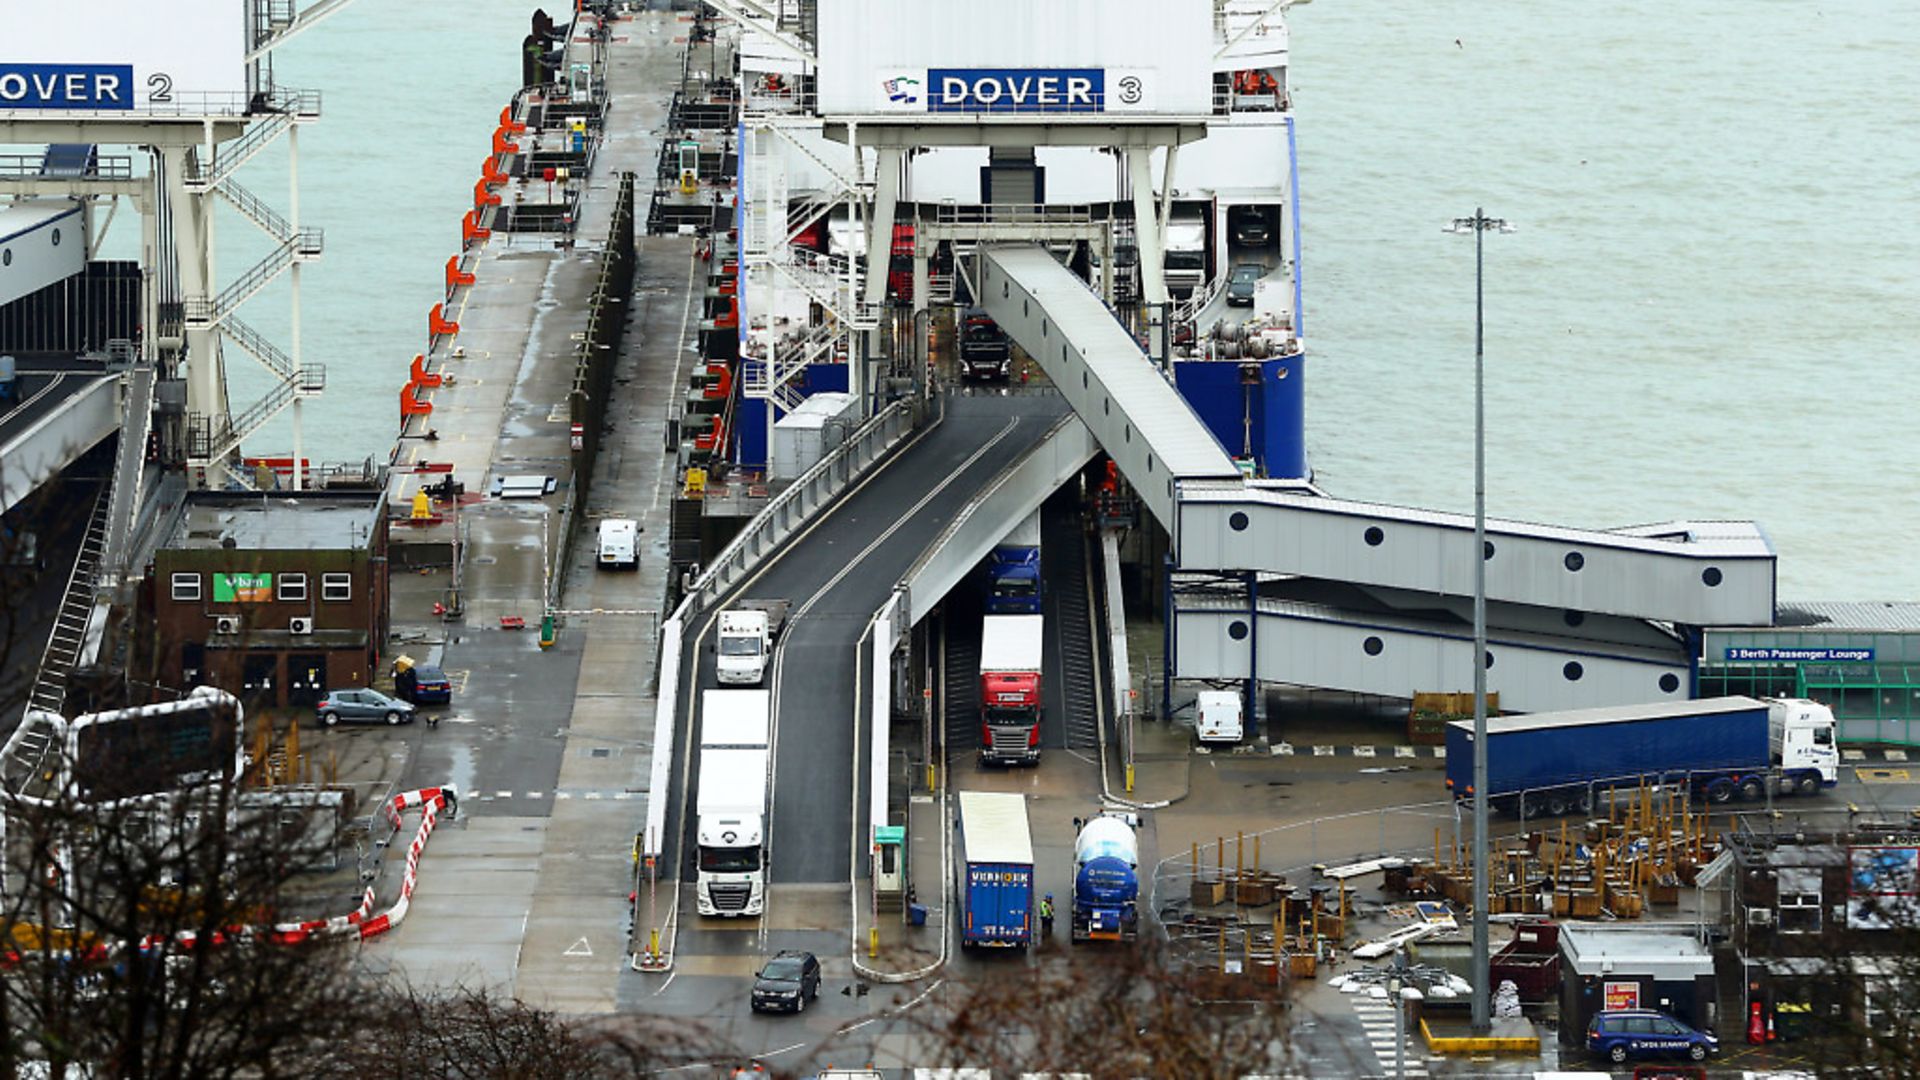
(1135,415)
(1701,573)
(1370,652)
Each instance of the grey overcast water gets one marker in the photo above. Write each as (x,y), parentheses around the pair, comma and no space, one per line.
(1710,309)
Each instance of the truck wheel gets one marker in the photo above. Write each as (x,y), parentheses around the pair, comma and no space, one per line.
(1753,788)
(1720,791)
(1584,804)
(1556,805)
(1808,784)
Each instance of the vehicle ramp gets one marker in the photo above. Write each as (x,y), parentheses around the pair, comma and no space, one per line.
(1135,414)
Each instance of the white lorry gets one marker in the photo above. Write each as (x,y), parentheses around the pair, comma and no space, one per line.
(619,544)
(731,875)
(1186,259)
(744,643)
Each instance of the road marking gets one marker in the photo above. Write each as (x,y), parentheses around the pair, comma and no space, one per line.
(1854,755)
(593,795)
(1363,751)
(1896,755)
(1440,751)
(1881,776)
(503,794)
(557,794)
(1323,751)
(579,948)
(1403,751)
(1285,749)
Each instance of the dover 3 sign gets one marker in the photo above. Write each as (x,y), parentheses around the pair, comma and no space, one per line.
(971,90)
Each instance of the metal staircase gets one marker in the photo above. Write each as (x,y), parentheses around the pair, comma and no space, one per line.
(213,444)
(1070,617)
(33,748)
(302,246)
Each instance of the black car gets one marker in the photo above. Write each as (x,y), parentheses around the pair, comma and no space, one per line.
(1241,284)
(424,685)
(1251,227)
(369,705)
(787,983)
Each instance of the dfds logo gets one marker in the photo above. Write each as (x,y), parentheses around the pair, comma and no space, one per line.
(66,86)
(1016,90)
(903,90)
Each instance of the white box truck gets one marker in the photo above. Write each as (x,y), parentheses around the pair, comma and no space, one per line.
(744,641)
(619,544)
(735,730)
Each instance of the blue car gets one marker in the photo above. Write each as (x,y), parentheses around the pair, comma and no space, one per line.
(1633,1033)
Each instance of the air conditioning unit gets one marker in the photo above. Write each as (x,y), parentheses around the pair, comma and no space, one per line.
(226,624)
(1759,916)
(300,624)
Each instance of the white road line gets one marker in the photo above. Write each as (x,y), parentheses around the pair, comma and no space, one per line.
(503,794)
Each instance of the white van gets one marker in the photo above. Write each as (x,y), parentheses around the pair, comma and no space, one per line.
(1216,717)
(619,544)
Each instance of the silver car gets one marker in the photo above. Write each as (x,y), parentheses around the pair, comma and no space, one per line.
(363,705)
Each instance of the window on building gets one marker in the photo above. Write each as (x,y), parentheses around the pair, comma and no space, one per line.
(336,586)
(186,586)
(1798,911)
(292,586)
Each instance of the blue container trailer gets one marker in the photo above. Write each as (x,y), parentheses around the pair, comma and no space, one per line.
(994,862)
(1727,747)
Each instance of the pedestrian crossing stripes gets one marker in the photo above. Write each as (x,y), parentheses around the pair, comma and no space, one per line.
(1287,749)
(1376,1019)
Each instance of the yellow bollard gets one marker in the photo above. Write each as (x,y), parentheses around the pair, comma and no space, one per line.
(1129,779)
(873,941)
(653,943)
(933,776)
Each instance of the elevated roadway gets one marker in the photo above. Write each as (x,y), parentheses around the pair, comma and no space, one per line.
(63,408)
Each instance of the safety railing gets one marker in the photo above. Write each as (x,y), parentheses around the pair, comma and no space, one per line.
(35,167)
(791,508)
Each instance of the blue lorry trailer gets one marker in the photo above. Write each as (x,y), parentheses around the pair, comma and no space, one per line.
(1727,747)
(994,863)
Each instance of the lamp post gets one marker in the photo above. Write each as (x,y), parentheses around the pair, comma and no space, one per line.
(1479,224)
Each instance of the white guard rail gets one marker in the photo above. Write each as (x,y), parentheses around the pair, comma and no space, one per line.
(792,507)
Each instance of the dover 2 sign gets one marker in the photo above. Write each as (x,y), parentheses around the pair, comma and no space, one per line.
(123,56)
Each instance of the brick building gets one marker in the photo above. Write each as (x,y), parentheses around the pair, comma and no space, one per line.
(275,597)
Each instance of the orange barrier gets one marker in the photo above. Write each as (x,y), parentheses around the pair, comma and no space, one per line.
(411,404)
(490,172)
(455,275)
(471,229)
(508,123)
(438,325)
(483,197)
(503,145)
(420,376)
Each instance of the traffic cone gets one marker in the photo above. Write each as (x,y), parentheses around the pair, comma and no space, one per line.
(1770,1033)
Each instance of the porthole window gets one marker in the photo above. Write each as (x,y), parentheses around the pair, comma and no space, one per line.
(1669,683)
(1711,575)
(1575,561)
(1573,671)
(1487,552)
(1004,291)
(1043,328)
(6,257)
(1373,646)
(1237,630)
(1237,521)
(1488,665)
(1106,407)
(1574,618)
(1083,375)
(56,238)
(1127,433)
(1026,308)
(1149,462)
(1375,536)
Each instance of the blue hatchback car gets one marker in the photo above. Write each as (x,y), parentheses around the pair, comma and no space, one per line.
(1633,1033)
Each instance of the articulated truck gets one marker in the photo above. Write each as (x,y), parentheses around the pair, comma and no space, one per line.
(731,875)
(1013,571)
(994,862)
(1723,748)
(1010,653)
(1106,881)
